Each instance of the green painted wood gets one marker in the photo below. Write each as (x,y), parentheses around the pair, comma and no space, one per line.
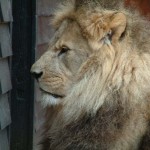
(5,11)
(4,144)
(5,118)
(5,41)
(5,78)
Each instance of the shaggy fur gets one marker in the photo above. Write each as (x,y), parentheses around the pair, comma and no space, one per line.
(102,78)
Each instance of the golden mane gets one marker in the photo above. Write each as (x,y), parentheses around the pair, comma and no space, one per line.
(129,75)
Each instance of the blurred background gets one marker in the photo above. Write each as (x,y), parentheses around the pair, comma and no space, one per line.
(24,35)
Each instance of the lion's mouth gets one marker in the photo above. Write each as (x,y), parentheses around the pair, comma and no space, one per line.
(52,94)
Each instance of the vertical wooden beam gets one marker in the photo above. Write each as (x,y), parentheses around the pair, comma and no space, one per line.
(22,95)
(1,14)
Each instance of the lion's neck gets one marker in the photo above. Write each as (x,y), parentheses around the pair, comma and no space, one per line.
(109,123)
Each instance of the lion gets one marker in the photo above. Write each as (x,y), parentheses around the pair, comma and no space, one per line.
(95,78)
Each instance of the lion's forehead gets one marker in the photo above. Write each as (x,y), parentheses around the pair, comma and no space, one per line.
(69,34)
(58,33)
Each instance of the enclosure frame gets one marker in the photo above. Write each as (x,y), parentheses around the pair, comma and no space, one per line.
(22,94)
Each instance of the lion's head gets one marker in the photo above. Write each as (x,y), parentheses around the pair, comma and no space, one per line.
(94,53)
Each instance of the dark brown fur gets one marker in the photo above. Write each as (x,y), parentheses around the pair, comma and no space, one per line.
(98,132)
(145,143)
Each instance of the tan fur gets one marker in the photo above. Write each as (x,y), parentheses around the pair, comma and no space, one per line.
(103,78)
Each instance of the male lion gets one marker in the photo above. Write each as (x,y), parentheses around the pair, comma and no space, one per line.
(95,78)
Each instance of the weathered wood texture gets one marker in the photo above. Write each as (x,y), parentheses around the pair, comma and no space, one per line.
(5,41)
(5,119)
(5,79)
(5,11)
(4,143)
(45,9)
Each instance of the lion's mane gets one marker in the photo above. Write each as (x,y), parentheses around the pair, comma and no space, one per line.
(112,98)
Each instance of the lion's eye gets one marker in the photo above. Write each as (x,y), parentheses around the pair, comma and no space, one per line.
(63,50)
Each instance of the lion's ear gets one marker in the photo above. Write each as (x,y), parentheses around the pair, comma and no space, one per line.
(117,26)
(97,26)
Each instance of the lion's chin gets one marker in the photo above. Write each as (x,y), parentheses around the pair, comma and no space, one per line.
(49,100)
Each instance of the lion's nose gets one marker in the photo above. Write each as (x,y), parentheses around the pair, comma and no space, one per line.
(36,73)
